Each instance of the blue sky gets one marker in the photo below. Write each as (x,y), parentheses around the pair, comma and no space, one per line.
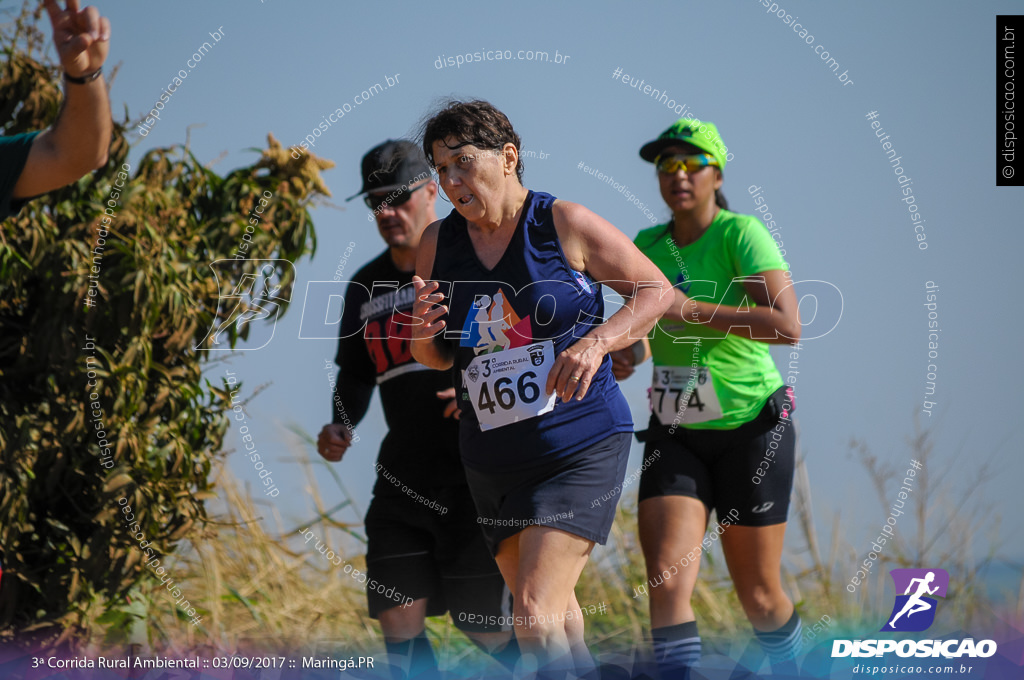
(795,129)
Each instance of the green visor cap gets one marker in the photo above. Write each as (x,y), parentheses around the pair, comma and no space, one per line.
(701,134)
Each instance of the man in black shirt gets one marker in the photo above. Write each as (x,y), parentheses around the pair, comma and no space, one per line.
(423,539)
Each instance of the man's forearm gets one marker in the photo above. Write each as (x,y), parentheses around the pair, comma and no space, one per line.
(351,400)
(82,131)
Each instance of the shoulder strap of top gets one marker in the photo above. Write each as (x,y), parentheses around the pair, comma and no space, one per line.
(447,239)
(539,221)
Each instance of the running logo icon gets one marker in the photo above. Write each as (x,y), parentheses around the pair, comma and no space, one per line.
(914,610)
(256,296)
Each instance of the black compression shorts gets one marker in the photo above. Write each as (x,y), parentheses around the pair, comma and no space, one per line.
(748,469)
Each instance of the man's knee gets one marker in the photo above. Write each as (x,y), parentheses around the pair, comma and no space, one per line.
(403,623)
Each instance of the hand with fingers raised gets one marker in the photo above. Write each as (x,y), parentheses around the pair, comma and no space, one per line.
(82,37)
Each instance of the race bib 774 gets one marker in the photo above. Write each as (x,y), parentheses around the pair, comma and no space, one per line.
(684,395)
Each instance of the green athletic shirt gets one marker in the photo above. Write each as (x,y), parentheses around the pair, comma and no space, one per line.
(13,154)
(742,370)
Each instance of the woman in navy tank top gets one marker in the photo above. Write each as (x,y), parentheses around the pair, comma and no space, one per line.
(512,305)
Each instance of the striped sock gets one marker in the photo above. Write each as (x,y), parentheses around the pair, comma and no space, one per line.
(676,649)
(783,644)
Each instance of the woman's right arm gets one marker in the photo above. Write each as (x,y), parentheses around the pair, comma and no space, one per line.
(428,345)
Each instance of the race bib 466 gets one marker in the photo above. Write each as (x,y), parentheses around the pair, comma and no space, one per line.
(506,387)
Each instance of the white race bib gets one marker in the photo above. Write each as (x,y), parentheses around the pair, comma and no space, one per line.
(506,387)
(684,395)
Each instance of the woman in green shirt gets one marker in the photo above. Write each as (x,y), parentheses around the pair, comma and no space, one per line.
(720,436)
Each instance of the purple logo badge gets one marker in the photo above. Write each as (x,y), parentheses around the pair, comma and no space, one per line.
(914,610)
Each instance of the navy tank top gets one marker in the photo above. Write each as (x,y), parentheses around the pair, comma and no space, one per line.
(530,298)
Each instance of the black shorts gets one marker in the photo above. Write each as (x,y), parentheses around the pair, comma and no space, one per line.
(746,471)
(438,552)
(565,494)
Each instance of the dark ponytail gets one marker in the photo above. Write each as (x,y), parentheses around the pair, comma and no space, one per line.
(720,200)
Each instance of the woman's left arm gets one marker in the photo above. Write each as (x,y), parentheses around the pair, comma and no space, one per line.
(594,245)
(775,319)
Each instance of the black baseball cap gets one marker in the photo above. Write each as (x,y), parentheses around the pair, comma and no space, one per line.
(392,165)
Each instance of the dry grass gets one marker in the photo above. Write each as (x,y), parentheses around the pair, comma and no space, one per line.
(260,590)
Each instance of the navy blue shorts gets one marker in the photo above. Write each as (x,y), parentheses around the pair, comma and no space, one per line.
(565,493)
(747,470)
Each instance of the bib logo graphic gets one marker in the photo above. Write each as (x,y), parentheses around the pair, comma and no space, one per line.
(493,326)
(914,610)
(256,296)
(473,373)
(581,279)
(536,354)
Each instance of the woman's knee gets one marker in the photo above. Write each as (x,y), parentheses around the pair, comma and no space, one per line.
(671,555)
(574,626)
(672,586)
(761,599)
(670,567)
(537,621)
(530,601)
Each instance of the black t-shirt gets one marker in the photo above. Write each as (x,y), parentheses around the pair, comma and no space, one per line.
(421,448)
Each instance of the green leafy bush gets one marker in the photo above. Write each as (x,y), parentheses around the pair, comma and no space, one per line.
(68,555)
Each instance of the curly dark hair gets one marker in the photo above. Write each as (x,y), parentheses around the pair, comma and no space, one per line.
(475,122)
